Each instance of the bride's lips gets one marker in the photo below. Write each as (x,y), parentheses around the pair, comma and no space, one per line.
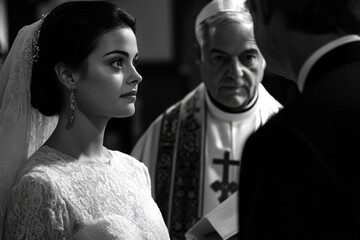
(130,95)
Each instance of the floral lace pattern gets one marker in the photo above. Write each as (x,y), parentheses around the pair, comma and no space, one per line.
(56,197)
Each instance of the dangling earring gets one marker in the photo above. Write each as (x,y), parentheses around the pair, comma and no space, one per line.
(72,109)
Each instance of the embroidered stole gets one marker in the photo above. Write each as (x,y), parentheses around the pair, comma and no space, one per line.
(178,172)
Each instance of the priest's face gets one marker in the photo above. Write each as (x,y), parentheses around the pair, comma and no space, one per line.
(231,65)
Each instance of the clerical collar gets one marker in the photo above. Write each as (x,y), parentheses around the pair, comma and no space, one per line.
(233,117)
(309,63)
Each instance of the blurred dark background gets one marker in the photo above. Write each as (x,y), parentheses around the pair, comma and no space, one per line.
(165,32)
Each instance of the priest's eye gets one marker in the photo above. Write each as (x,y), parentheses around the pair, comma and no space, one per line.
(219,60)
(249,59)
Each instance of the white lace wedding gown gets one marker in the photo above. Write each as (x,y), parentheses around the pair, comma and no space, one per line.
(56,197)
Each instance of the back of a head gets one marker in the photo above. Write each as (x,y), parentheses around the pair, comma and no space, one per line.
(316,16)
(219,12)
(68,34)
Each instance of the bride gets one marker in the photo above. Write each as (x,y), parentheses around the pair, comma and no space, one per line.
(64,78)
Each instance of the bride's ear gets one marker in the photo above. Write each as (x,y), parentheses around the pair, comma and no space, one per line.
(66,76)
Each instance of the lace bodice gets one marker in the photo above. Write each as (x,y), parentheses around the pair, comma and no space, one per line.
(56,197)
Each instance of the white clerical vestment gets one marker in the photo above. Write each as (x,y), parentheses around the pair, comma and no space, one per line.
(193,154)
(226,133)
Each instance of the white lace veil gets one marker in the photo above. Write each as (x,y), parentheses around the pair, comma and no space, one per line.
(22,129)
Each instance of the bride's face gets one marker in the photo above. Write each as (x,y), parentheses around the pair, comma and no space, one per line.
(110,85)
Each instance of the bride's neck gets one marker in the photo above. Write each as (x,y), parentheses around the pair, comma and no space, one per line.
(81,139)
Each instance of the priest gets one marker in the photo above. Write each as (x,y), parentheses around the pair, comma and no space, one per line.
(193,149)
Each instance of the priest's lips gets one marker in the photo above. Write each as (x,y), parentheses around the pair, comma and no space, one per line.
(234,88)
(130,95)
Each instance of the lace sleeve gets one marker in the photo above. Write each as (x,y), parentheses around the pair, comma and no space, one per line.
(147,176)
(37,211)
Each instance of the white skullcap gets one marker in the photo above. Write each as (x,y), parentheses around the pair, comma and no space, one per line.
(214,7)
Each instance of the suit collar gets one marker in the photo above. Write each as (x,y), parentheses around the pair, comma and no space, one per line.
(335,58)
(304,71)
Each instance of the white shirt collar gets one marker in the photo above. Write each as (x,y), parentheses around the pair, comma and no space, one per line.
(309,63)
(231,117)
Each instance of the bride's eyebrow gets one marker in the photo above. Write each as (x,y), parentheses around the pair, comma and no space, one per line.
(117,52)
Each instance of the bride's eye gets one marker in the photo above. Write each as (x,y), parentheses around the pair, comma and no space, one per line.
(118,63)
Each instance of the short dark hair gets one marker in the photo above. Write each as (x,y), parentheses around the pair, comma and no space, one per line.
(68,34)
(315,16)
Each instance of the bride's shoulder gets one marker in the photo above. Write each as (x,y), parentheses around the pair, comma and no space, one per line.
(121,157)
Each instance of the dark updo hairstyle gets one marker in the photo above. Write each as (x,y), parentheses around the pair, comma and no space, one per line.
(68,34)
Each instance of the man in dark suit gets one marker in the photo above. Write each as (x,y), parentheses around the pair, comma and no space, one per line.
(300,173)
